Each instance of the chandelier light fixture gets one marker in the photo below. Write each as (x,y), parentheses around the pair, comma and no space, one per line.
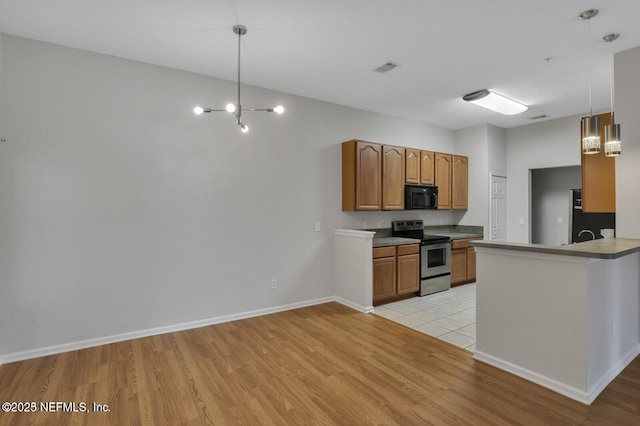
(495,102)
(591,124)
(236,109)
(612,142)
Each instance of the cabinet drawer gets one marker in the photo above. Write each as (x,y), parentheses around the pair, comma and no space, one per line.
(379,252)
(408,249)
(458,244)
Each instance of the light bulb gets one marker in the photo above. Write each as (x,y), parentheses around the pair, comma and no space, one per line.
(279,109)
(198,110)
(231,108)
(244,128)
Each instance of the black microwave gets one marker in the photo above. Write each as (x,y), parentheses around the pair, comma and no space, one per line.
(420,197)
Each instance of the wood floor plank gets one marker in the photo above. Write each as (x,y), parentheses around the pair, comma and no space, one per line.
(325,364)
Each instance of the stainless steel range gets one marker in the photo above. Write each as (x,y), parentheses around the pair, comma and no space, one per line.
(435,255)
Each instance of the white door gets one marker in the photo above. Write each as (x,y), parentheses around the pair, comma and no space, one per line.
(498,207)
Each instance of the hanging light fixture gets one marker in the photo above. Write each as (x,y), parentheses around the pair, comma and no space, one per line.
(591,124)
(236,109)
(612,131)
(495,102)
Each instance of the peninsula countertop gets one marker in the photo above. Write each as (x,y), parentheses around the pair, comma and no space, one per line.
(604,248)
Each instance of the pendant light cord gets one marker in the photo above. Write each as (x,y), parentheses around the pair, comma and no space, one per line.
(589,46)
(612,85)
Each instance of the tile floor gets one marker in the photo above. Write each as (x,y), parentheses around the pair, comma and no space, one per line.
(449,315)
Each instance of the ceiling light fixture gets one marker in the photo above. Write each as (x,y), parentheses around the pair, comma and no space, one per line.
(495,102)
(386,67)
(591,124)
(612,142)
(236,109)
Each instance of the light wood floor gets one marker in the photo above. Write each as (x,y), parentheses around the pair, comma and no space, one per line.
(325,364)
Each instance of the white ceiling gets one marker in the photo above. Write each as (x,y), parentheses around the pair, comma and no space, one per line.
(327,49)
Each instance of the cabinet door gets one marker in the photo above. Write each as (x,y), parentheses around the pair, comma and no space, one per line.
(412,166)
(471,264)
(443,180)
(393,178)
(598,176)
(459,182)
(384,277)
(427,170)
(368,176)
(408,273)
(458,265)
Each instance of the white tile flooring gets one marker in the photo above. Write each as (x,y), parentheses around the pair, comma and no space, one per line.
(449,315)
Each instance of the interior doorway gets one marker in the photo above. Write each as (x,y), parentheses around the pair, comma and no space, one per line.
(550,203)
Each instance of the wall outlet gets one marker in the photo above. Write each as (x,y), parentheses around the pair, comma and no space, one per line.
(316,227)
(441,221)
(274,284)
(521,221)
(379,225)
(559,220)
(364,225)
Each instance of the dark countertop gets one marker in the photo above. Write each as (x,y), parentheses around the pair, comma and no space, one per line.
(393,241)
(604,248)
(456,235)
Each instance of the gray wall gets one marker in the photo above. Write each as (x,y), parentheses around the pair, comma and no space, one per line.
(122,211)
(627,69)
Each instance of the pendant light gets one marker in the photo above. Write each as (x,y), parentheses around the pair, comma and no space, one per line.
(612,143)
(591,124)
(236,109)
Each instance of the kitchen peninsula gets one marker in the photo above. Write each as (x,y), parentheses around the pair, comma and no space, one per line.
(565,317)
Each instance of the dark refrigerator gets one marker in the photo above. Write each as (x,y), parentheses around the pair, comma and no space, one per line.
(586,226)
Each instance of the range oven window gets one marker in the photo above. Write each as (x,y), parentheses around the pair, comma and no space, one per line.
(436,257)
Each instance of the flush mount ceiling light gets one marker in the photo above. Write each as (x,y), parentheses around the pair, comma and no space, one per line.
(386,67)
(495,102)
(591,124)
(236,109)
(612,142)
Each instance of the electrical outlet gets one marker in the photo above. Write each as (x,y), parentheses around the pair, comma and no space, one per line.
(274,284)
(364,225)
(317,227)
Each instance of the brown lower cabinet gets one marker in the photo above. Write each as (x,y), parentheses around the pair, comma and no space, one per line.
(396,272)
(463,262)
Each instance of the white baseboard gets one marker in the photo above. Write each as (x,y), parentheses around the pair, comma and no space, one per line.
(532,376)
(613,373)
(585,397)
(357,307)
(83,344)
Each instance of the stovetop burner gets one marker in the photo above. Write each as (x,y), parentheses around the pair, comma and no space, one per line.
(415,229)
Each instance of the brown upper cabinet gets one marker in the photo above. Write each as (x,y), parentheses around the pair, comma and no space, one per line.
(361,176)
(393,164)
(598,176)
(443,180)
(459,182)
(419,166)
(427,164)
(374,175)
(412,165)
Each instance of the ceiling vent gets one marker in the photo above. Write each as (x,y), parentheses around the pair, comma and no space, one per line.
(386,67)
(538,117)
